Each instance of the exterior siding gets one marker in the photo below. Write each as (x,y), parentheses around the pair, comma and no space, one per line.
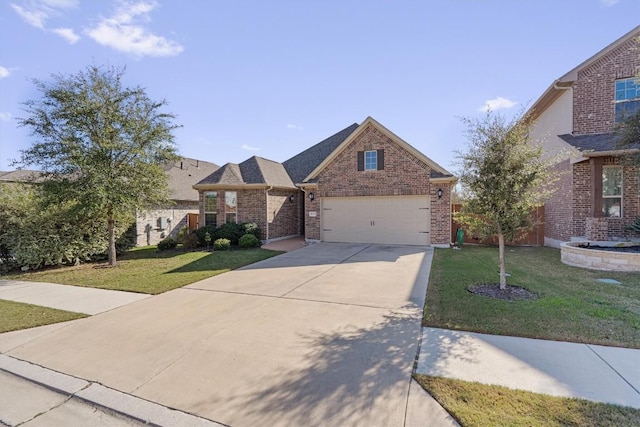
(594,90)
(148,231)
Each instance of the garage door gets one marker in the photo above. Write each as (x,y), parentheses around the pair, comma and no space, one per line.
(401,220)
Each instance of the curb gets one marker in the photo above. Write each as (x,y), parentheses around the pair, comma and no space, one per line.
(99,395)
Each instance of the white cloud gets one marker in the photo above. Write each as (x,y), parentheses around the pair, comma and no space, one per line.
(250,148)
(292,126)
(35,17)
(37,12)
(68,34)
(124,31)
(4,116)
(608,3)
(498,103)
(4,72)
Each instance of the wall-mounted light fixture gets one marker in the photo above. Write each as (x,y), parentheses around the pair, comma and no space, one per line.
(292,198)
(312,196)
(439,193)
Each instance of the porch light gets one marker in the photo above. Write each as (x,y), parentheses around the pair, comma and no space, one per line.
(439,193)
(312,196)
(292,198)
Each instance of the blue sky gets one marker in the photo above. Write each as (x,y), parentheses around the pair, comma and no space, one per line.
(271,78)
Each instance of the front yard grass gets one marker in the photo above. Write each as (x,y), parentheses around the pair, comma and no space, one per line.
(474,404)
(18,315)
(148,271)
(572,305)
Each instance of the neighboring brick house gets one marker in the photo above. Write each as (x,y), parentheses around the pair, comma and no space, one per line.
(597,195)
(363,184)
(156,224)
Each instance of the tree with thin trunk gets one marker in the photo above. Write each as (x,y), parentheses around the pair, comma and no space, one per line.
(101,146)
(503,179)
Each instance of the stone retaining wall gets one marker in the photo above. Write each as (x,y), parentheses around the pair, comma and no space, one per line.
(572,254)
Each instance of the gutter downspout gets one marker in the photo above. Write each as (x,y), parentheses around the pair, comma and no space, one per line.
(266,194)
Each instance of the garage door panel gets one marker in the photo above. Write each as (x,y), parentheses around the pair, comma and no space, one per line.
(387,220)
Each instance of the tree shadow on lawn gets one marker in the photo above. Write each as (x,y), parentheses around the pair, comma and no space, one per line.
(350,377)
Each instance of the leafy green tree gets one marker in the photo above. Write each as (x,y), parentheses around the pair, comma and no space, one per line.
(101,146)
(34,233)
(503,179)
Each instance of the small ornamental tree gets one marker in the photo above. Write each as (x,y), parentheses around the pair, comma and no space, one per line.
(503,179)
(101,146)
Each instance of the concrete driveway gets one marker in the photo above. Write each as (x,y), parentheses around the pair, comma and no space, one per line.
(324,335)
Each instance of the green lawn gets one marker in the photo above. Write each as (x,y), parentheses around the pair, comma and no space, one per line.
(572,305)
(473,404)
(148,271)
(18,315)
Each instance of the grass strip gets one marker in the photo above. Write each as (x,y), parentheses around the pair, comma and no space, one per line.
(474,404)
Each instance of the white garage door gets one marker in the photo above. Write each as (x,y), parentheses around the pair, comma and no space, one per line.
(401,220)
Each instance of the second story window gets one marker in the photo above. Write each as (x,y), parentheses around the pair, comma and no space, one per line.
(370,160)
(627,100)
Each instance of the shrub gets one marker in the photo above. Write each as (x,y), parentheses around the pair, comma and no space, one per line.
(249,241)
(635,227)
(222,244)
(231,231)
(168,243)
(252,228)
(202,232)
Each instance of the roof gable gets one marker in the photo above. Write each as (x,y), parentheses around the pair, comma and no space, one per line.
(567,80)
(251,172)
(437,171)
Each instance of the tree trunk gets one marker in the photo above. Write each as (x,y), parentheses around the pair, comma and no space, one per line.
(112,239)
(503,273)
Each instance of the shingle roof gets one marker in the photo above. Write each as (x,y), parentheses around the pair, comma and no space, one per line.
(255,170)
(301,165)
(593,142)
(20,175)
(183,174)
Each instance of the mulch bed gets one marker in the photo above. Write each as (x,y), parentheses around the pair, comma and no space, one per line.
(511,293)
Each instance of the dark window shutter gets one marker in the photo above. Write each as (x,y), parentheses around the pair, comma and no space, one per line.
(380,160)
(360,160)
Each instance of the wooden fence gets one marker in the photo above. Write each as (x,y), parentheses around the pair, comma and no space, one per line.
(535,236)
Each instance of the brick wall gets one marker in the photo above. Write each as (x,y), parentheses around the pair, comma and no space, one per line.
(312,224)
(282,214)
(558,211)
(594,90)
(581,197)
(403,174)
(251,208)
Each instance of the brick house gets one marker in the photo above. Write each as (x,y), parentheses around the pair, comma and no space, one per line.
(166,221)
(597,196)
(363,184)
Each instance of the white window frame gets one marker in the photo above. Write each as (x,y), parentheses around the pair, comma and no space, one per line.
(214,212)
(375,160)
(613,196)
(230,197)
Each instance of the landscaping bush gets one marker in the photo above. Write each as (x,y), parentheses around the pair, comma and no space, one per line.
(635,227)
(230,231)
(166,244)
(127,240)
(202,232)
(222,245)
(252,228)
(249,241)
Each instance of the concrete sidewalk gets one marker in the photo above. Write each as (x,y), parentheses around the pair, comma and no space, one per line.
(593,372)
(66,297)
